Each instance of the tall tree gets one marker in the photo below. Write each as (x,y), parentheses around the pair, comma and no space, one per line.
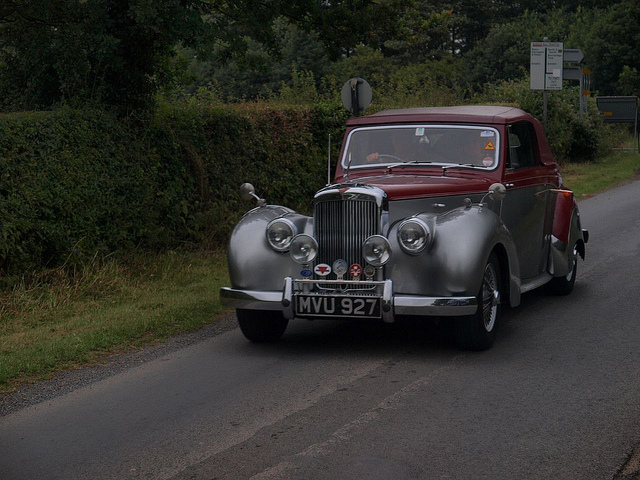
(113,51)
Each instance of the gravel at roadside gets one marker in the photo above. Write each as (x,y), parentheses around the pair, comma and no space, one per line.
(65,382)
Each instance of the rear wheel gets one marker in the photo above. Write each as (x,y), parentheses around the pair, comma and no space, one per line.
(478,331)
(564,285)
(262,326)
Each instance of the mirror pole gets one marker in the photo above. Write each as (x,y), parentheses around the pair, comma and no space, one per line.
(329,162)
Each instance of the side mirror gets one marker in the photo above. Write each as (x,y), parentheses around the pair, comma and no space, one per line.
(498,191)
(247,192)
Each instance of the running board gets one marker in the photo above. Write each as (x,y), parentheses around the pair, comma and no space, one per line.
(535,282)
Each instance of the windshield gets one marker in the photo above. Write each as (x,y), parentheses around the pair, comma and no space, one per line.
(437,144)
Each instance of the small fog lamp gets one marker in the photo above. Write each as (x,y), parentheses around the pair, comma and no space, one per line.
(376,250)
(304,248)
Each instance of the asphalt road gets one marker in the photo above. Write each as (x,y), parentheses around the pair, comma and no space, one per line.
(557,397)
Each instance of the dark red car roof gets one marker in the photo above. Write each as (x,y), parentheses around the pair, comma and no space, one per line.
(462,114)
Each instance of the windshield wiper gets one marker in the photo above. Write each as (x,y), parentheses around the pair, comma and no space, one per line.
(410,162)
(461,165)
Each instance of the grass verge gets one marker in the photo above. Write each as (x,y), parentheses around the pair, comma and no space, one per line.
(70,317)
(588,178)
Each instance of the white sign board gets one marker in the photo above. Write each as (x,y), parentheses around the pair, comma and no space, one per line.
(546,65)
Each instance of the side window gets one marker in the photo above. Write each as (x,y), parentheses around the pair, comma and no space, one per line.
(522,151)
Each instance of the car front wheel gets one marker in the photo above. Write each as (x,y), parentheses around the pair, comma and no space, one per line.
(262,326)
(478,331)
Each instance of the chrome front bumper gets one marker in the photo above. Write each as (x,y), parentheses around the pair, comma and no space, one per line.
(392,305)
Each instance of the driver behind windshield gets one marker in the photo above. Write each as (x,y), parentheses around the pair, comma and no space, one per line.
(398,145)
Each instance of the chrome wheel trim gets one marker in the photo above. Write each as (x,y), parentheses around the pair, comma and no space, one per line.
(490,297)
(574,262)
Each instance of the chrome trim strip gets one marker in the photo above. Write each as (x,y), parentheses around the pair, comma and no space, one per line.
(365,283)
(398,305)
(352,191)
(251,299)
(437,306)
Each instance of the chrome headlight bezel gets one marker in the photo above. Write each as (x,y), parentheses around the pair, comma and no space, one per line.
(284,245)
(371,253)
(426,236)
(306,245)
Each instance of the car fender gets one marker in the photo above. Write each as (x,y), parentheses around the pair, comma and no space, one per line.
(566,233)
(253,264)
(454,264)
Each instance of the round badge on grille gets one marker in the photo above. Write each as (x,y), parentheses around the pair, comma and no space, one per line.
(369,271)
(355,270)
(322,269)
(340,268)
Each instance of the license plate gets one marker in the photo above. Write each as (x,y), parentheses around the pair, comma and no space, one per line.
(337,306)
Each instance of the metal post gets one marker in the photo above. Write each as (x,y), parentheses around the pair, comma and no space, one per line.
(580,92)
(329,162)
(635,131)
(355,101)
(544,108)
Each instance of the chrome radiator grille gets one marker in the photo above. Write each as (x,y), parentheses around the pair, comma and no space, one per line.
(341,226)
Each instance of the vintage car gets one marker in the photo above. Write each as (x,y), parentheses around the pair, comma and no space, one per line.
(435,212)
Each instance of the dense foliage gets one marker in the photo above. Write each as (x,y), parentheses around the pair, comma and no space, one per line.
(120,52)
(77,182)
(463,44)
(147,134)
(117,52)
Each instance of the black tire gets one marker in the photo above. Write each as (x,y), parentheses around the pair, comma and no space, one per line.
(564,285)
(262,326)
(478,331)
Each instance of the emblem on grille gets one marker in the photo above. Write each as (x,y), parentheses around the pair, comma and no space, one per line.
(340,268)
(322,269)
(355,271)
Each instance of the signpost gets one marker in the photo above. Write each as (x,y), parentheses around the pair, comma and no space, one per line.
(356,95)
(572,55)
(546,65)
(546,69)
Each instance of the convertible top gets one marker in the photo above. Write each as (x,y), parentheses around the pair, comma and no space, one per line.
(461,114)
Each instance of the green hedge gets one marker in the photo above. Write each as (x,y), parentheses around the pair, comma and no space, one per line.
(73,183)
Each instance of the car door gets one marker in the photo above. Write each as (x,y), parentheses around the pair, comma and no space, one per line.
(527,203)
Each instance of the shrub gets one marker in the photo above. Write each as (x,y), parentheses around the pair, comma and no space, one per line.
(73,183)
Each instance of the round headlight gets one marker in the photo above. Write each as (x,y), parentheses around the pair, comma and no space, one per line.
(376,250)
(280,232)
(414,236)
(304,248)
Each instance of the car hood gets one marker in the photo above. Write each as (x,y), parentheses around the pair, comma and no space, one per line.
(399,187)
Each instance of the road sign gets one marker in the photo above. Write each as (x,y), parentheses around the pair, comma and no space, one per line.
(546,65)
(571,73)
(572,55)
(618,109)
(621,110)
(356,95)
